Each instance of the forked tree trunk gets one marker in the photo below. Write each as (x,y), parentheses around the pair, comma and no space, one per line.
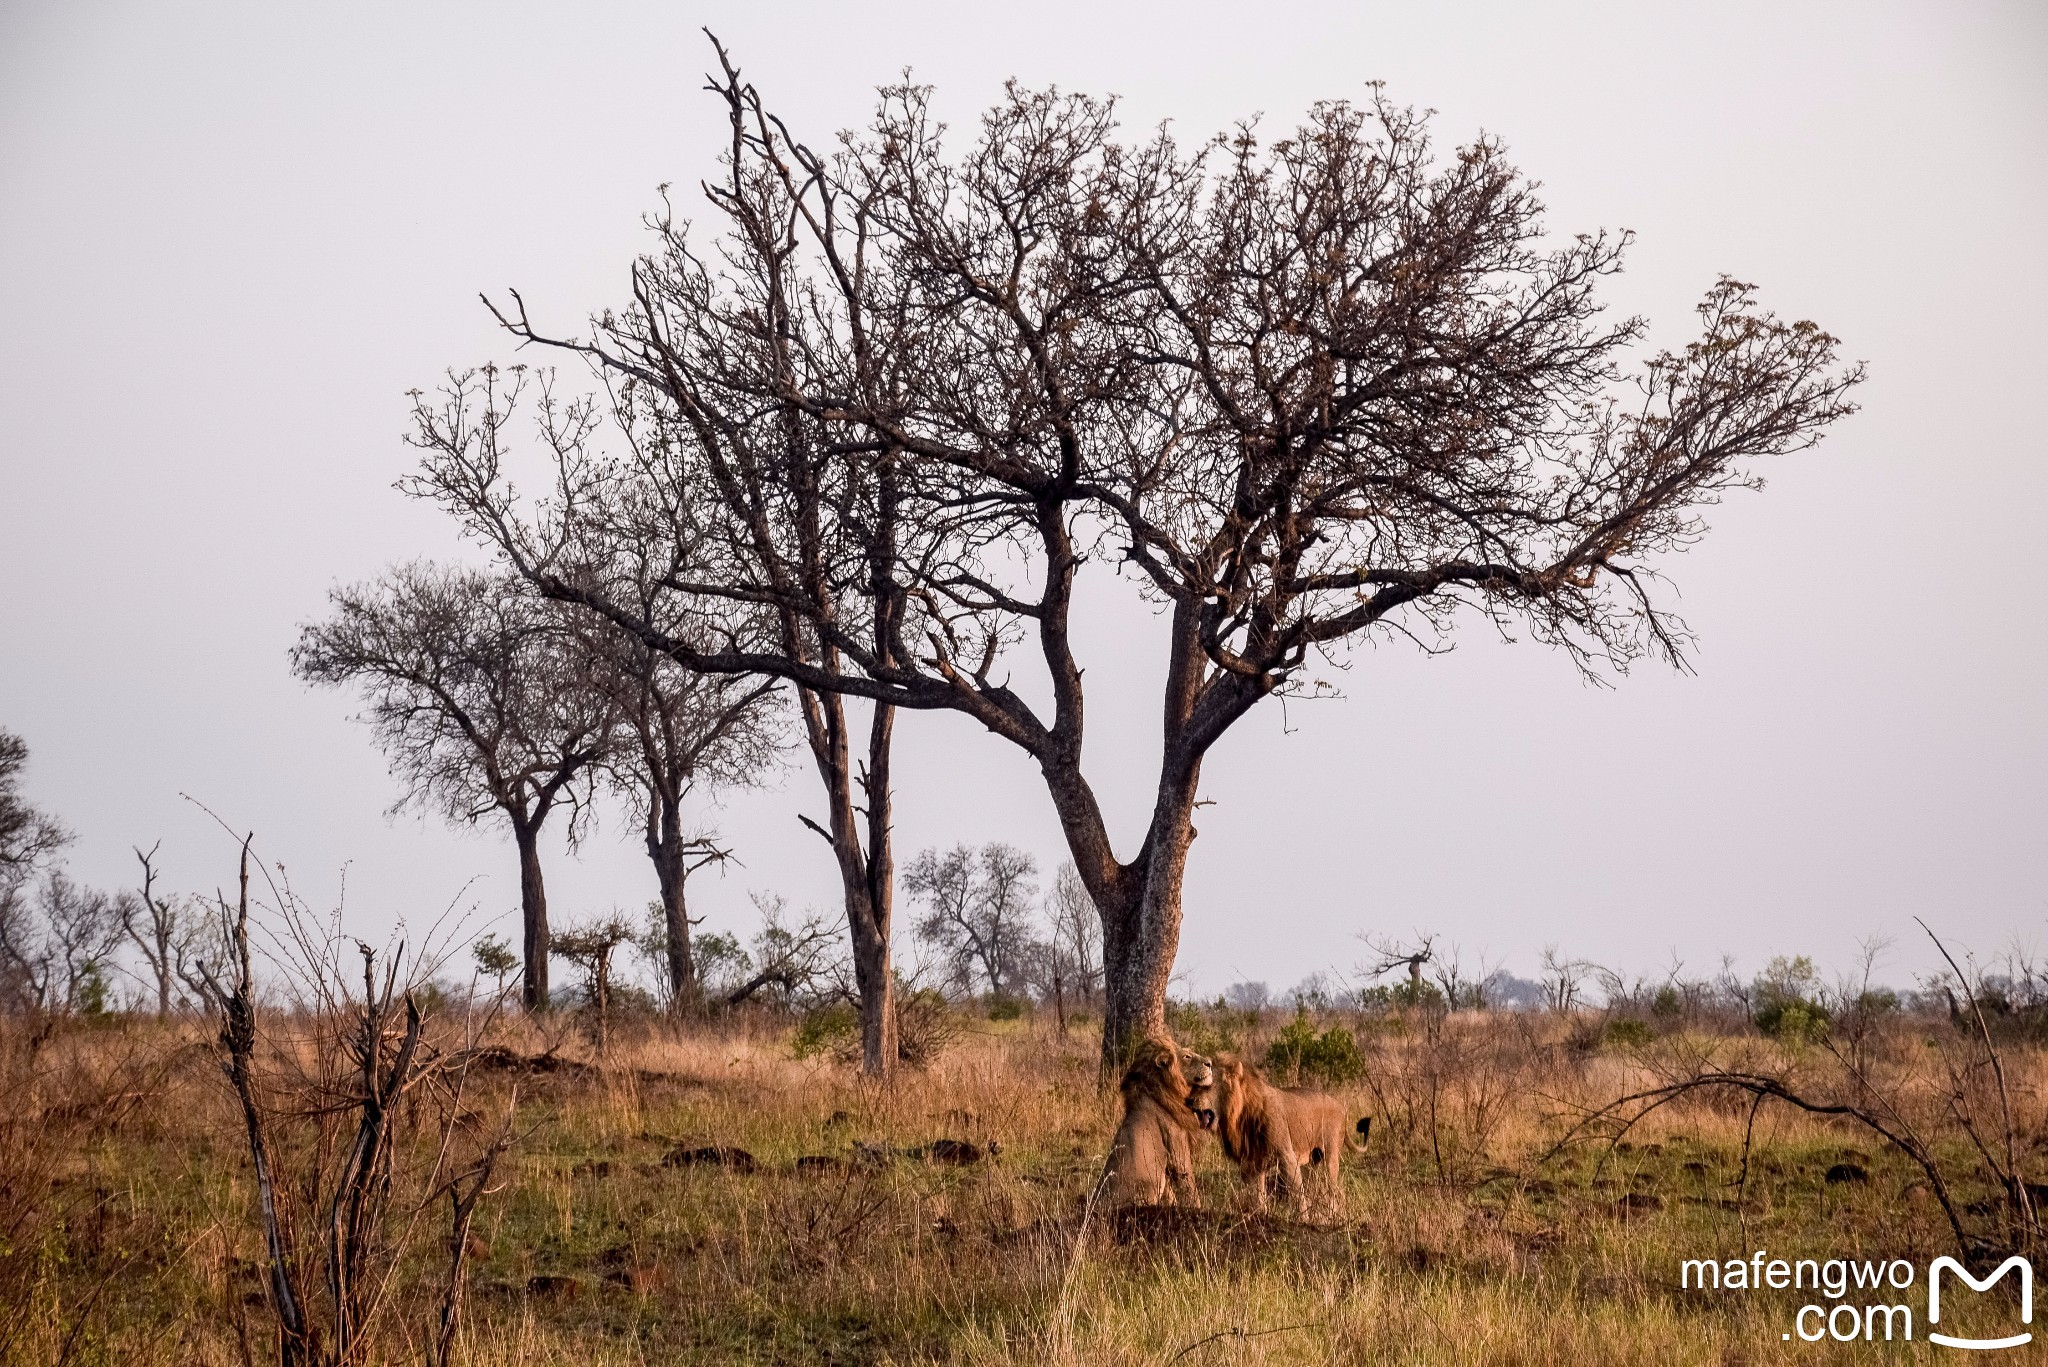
(1141,936)
(671,870)
(1140,902)
(533,906)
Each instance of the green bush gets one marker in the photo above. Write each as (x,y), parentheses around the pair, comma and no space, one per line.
(827,1030)
(1796,1021)
(925,1025)
(1005,1009)
(1785,994)
(1328,1059)
(1629,1033)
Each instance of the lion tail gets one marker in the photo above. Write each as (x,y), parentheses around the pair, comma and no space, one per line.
(1364,1135)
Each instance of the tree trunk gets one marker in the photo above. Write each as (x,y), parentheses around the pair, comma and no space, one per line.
(1140,902)
(866,875)
(671,870)
(533,906)
(1141,937)
(869,922)
(164,952)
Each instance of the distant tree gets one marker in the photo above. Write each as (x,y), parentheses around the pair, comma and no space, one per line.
(681,729)
(592,947)
(792,964)
(28,837)
(1067,963)
(495,958)
(723,963)
(978,911)
(1076,931)
(483,699)
(56,953)
(1248,996)
(162,929)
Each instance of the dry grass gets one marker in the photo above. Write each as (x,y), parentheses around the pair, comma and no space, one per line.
(130,1236)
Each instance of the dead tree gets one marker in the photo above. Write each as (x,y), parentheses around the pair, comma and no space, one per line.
(483,699)
(792,961)
(339,1087)
(158,928)
(1310,393)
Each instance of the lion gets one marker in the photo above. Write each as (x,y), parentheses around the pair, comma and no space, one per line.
(1151,1160)
(1271,1130)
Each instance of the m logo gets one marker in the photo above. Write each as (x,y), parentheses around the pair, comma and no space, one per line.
(2026,1270)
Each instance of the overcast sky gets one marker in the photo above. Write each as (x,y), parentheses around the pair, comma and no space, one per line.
(233,236)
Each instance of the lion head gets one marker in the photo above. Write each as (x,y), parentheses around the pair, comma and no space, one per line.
(1163,1071)
(1233,1104)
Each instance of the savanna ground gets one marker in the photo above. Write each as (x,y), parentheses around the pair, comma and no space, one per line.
(132,1236)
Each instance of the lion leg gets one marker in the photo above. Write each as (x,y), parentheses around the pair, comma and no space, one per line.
(1291,1185)
(1158,1169)
(1180,1170)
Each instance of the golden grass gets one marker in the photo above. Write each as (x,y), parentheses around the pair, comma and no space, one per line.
(131,1235)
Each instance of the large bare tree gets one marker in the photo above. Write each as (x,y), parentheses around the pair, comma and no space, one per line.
(1301,393)
(783,547)
(484,698)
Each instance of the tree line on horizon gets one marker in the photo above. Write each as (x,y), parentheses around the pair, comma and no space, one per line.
(989,935)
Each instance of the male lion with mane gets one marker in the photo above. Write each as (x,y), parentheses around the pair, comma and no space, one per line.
(1152,1159)
(1267,1129)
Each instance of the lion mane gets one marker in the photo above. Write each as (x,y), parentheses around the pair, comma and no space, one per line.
(1268,1130)
(1151,1160)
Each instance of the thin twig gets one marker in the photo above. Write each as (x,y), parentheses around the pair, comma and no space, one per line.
(1238,1332)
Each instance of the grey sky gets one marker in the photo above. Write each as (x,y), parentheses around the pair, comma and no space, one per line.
(231,237)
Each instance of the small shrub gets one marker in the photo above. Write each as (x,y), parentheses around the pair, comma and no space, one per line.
(1005,1009)
(1785,994)
(1667,1005)
(1407,995)
(1328,1059)
(91,998)
(1629,1034)
(1795,1021)
(827,1030)
(925,1025)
